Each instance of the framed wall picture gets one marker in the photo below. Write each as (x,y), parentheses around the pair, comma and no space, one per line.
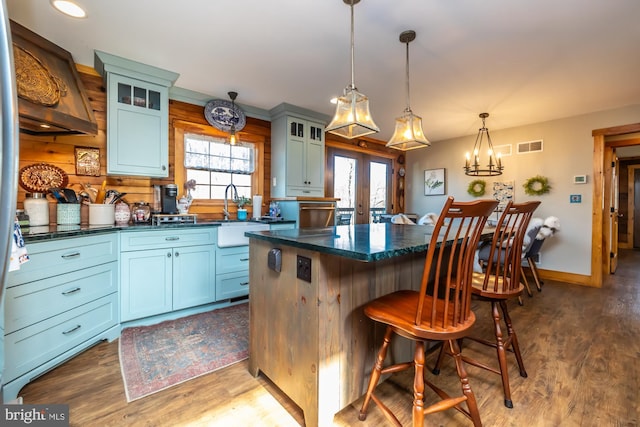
(87,161)
(434,182)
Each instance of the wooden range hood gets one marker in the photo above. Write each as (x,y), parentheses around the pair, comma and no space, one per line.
(51,97)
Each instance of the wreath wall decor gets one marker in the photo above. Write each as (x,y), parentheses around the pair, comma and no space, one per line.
(537,186)
(477,187)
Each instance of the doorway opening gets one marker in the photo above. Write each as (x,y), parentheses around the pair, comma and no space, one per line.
(363,183)
(604,241)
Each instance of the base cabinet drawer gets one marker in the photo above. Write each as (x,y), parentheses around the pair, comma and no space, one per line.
(35,345)
(232,259)
(50,258)
(36,301)
(232,285)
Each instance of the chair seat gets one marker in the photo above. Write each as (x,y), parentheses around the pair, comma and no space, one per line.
(398,311)
(502,290)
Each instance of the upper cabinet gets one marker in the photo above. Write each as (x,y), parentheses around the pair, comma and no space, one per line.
(297,152)
(137,116)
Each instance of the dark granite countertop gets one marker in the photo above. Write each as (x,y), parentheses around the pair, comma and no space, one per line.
(51,232)
(364,242)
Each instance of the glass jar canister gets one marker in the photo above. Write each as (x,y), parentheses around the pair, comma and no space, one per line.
(141,212)
(37,207)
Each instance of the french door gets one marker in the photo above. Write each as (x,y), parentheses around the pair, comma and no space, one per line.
(362,182)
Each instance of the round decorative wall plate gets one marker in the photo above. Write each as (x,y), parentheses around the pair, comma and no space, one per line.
(39,178)
(221,114)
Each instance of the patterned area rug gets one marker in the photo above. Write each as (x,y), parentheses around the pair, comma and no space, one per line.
(153,358)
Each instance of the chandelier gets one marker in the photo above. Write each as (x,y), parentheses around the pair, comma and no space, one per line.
(472,167)
(408,134)
(352,118)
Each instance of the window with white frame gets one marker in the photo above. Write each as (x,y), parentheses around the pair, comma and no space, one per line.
(214,164)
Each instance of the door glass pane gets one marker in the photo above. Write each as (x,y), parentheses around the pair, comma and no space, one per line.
(344,188)
(378,179)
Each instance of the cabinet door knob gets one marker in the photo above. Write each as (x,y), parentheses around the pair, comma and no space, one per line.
(177,254)
(168,254)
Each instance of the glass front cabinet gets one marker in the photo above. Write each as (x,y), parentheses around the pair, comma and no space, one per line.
(137,116)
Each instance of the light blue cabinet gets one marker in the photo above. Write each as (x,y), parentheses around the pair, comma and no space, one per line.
(166,270)
(232,267)
(298,152)
(64,300)
(137,127)
(137,116)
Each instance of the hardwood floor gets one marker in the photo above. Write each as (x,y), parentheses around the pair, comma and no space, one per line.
(580,347)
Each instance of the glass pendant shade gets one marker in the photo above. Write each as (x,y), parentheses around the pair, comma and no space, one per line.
(232,135)
(233,138)
(408,134)
(352,118)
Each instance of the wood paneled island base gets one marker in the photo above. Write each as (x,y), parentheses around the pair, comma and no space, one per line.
(311,338)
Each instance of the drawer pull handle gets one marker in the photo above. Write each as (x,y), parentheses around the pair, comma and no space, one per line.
(71,291)
(244,259)
(75,328)
(244,284)
(172,238)
(71,256)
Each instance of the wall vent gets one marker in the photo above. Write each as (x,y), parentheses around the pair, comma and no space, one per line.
(530,146)
(503,150)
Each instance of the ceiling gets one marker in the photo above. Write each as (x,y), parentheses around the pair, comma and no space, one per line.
(521,61)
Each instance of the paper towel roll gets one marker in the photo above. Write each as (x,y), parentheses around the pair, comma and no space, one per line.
(257,206)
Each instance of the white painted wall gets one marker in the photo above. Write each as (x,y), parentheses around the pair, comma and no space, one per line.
(568,151)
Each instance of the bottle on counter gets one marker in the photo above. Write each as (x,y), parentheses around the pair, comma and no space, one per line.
(36,206)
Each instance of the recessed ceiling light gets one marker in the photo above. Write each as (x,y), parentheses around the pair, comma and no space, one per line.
(69,8)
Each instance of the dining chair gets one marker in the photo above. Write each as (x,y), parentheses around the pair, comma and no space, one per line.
(439,311)
(499,283)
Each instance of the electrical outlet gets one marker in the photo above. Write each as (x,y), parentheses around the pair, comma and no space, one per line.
(303,271)
(274,181)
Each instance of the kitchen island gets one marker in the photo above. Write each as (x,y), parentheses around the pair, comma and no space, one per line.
(308,332)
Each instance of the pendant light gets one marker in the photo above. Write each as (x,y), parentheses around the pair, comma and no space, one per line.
(494,166)
(232,131)
(408,134)
(352,118)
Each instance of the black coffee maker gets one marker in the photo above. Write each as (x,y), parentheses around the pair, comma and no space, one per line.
(168,196)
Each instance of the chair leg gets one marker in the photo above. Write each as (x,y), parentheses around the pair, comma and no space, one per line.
(436,368)
(536,275)
(525,281)
(474,413)
(502,354)
(514,338)
(375,373)
(418,385)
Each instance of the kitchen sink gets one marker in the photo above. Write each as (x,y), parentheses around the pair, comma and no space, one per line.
(231,233)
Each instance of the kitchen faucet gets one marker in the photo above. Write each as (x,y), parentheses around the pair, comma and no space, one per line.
(234,194)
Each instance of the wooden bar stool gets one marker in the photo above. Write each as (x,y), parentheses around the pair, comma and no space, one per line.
(439,311)
(497,284)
